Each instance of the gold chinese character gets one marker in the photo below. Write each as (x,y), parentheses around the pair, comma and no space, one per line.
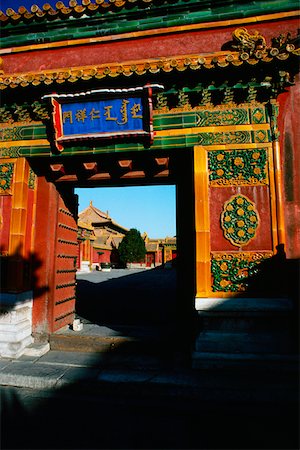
(134,110)
(94,114)
(123,111)
(67,115)
(81,115)
(108,113)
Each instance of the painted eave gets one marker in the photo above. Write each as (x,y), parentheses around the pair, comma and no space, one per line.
(219,61)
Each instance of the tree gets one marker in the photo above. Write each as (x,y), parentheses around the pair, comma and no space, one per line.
(132,247)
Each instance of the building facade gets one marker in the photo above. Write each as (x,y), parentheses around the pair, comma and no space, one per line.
(99,237)
(105,93)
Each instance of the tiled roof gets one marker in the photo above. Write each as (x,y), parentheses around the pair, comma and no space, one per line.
(82,224)
(94,216)
(91,215)
(246,50)
(64,9)
(151,247)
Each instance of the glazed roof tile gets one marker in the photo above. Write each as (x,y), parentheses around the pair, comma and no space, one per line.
(62,9)
(247,50)
(151,247)
(91,214)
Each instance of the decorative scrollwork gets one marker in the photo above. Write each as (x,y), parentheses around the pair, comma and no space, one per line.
(238,167)
(6,174)
(227,137)
(31,179)
(248,44)
(11,152)
(183,100)
(5,115)
(231,271)
(228,116)
(22,113)
(161,102)
(239,220)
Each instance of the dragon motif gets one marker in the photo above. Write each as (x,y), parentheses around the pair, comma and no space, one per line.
(248,43)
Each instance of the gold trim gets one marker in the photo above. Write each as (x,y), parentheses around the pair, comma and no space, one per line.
(25,143)
(153,32)
(214,129)
(274,225)
(237,146)
(18,221)
(202,222)
(279,193)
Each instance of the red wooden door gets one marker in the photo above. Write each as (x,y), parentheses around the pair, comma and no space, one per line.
(149,259)
(66,254)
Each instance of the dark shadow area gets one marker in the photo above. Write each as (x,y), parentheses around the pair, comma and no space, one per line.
(19,274)
(144,298)
(276,277)
(122,417)
(262,318)
(139,304)
(219,409)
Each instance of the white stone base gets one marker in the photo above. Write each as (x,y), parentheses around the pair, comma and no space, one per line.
(15,323)
(241,304)
(37,350)
(85,266)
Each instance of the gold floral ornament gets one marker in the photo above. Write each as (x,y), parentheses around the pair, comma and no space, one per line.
(239,220)
(6,174)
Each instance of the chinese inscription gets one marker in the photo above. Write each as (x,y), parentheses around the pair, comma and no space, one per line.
(104,116)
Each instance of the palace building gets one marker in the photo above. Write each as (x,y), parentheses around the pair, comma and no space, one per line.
(200,94)
(99,237)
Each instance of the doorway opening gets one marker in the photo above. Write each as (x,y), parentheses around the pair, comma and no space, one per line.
(171,312)
(131,297)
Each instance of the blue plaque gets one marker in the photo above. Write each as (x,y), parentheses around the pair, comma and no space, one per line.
(102,114)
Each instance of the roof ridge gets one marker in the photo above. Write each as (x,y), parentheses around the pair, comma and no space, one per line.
(63,9)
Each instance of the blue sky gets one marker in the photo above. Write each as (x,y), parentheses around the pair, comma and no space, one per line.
(147,208)
(15,4)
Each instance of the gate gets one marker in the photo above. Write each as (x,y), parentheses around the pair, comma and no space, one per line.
(65,262)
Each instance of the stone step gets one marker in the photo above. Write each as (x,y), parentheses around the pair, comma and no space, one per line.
(118,352)
(246,361)
(275,342)
(88,343)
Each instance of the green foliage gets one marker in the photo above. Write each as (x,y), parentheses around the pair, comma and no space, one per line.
(132,247)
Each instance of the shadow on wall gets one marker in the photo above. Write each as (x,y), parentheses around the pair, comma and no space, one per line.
(279,277)
(276,277)
(19,274)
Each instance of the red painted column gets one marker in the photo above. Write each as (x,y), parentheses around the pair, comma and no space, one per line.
(44,256)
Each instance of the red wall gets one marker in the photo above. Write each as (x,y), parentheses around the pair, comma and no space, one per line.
(191,42)
(288,122)
(29,222)
(5,212)
(101,258)
(259,195)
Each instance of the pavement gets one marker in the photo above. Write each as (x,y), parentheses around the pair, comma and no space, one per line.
(117,392)
(57,369)
(94,400)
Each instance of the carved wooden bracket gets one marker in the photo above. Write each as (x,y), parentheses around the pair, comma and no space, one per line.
(58,169)
(90,167)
